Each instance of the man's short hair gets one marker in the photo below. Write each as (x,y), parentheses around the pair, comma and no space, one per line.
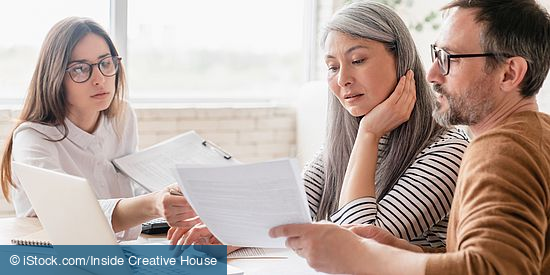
(514,28)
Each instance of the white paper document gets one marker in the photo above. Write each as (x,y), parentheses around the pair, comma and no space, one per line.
(152,166)
(258,253)
(240,203)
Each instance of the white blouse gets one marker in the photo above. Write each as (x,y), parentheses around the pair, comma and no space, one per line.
(80,154)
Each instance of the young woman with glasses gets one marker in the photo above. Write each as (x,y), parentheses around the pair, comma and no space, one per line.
(75,120)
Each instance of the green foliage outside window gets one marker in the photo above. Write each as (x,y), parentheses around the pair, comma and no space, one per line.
(430,20)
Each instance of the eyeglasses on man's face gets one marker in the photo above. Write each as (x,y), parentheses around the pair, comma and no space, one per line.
(444,58)
(81,71)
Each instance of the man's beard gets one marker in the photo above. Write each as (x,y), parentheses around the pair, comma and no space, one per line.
(442,118)
(467,107)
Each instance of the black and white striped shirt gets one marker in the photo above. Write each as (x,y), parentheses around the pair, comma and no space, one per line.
(417,206)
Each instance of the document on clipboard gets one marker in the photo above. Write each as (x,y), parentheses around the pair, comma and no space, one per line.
(152,167)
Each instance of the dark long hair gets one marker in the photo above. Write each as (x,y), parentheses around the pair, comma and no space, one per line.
(46,101)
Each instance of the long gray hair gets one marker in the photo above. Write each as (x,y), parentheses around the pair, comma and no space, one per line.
(375,21)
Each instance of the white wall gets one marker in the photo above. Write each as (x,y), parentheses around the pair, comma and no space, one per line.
(311,110)
(248,133)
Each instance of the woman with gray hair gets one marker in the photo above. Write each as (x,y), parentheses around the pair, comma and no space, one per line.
(386,161)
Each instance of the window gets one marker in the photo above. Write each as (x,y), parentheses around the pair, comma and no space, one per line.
(215,49)
(175,49)
(25,25)
(195,50)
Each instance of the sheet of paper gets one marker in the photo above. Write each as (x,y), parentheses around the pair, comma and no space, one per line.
(240,203)
(292,265)
(258,253)
(151,167)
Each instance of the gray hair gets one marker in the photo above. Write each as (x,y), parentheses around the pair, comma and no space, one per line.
(375,21)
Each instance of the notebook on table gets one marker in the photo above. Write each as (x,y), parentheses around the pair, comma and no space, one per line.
(39,238)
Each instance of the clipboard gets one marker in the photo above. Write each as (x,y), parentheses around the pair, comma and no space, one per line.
(152,167)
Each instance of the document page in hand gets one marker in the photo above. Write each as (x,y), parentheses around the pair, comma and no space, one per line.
(240,203)
(151,167)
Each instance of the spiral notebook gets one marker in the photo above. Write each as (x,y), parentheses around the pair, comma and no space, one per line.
(39,238)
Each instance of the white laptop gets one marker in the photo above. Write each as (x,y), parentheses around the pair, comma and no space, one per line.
(68,208)
(65,202)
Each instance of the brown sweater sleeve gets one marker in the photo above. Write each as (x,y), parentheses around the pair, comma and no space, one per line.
(500,209)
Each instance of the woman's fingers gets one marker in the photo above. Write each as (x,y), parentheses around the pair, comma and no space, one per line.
(399,89)
(187,223)
(199,234)
(406,102)
(177,234)
(404,92)
(170,232)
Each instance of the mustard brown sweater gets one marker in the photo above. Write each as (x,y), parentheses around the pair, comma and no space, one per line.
(500,213)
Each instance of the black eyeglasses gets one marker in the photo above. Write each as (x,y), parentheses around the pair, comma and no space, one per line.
(444,58)
(81,71)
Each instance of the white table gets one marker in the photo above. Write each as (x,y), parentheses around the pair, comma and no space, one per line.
(293,264)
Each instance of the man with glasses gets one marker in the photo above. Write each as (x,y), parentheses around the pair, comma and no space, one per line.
(489,63)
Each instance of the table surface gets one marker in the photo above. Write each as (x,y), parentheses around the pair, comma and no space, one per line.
(19,227)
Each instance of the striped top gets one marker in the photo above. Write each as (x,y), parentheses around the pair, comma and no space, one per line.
(417,207)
